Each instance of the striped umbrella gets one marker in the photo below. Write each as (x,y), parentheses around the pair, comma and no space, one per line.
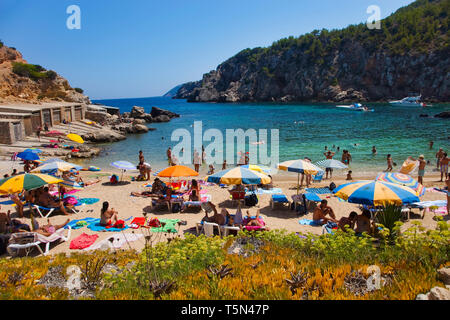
(332,164)
(123,165)
(28,156)
(239,175)
(299,166)
(376,193)
(56,166)
(257,168)
(72,185)
(27,181)
(402,179)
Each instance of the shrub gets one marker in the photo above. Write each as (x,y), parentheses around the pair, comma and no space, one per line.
(51,75)
(33,71)
(79,90)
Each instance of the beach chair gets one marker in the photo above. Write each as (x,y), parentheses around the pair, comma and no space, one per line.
(238,196)
(45,212)
(318,177)
(28,240)
(208,229)
(280,199)
(190,204)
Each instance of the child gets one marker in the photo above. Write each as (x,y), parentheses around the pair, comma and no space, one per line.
(349,175)
(211,169)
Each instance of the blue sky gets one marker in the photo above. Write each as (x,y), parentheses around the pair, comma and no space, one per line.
(143,48)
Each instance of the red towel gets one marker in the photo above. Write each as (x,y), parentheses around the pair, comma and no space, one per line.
(83,241)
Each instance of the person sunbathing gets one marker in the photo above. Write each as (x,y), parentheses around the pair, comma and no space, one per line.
(322,211)
(143,194)
(218,218)
(256,222)
(49,229)
(108,217)
(45,199)
(8,225)
(348,221)
(363,223)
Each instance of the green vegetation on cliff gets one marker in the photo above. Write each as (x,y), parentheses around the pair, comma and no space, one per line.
(33,71)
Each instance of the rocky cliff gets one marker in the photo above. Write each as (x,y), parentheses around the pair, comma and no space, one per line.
(23,82)
(408,55)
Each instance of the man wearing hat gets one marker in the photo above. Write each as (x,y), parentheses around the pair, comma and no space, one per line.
(422,164)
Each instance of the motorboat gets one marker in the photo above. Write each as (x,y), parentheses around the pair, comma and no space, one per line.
(357,107)
(409,102)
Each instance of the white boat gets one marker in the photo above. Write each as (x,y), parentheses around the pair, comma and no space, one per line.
(408,102)
(356,107)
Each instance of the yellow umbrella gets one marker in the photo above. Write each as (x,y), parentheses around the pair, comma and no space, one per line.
(27,181)
(76,138)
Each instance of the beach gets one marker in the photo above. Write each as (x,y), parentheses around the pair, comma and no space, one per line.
(119,197)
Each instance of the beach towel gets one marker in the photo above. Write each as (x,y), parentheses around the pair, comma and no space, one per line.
(319,190)
(95,226)
(264,191)
(87,201)
(115,242)
(169,227)
(80,223)
(83,241)
(138,223)
(312,197)
(309,222)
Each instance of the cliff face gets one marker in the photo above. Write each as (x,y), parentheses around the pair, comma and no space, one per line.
(47,86)
(409,55)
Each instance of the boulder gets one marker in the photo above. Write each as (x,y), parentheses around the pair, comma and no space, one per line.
(139,121)
(422,297)
(137,112)
(156,112)
(438,293)
(161,118)
(100,117)
(444,275)
(140,128)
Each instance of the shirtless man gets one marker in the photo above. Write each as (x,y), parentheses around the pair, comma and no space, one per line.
(422,164)
(169,156)
(329,155)
(363,222)
(448,195)
(439,155)
(322,211)
(218,218)
(444,166)
(47,200)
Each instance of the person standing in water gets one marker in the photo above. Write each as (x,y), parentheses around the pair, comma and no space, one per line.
(431,145)
(389,163)
(439,155)
(444,166)
(169,156)
(374,150)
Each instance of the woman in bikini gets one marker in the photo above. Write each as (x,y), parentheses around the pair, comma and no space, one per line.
(108,216)
(195,191)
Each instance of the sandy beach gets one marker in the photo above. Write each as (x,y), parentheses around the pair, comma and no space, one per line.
(279,218)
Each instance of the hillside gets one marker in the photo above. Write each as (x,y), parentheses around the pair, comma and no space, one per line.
(408,55)
(23,82)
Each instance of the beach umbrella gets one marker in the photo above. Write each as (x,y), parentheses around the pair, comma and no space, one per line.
(177,171)
(376,193)
(123,165)
(402,179)
(239,175)
(27,181)
(28,156)
(70,184)
(257,168)
(34,150)
(74,137)
(56,166)
(331,164)
(54,133)
(299,166)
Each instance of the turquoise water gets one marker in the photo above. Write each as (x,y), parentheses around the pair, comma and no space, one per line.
(304,130)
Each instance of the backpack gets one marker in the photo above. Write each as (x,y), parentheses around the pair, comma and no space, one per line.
(176,207)
(332,186)
(251,200)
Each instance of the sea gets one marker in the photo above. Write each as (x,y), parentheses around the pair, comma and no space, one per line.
(304,130)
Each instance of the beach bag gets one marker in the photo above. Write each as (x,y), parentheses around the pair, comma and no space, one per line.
(238,217)
(114,179)
(176,207)
(70,201)
(332,186)
(251,200)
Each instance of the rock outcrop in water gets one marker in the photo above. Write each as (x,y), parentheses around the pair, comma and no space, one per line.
(409,55)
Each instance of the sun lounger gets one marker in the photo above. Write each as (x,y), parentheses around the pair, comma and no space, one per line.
(318,177)
(41,210)
(279,198)
(29,240)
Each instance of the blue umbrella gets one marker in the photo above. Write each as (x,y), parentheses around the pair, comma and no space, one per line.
(33,150)
(28,156)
